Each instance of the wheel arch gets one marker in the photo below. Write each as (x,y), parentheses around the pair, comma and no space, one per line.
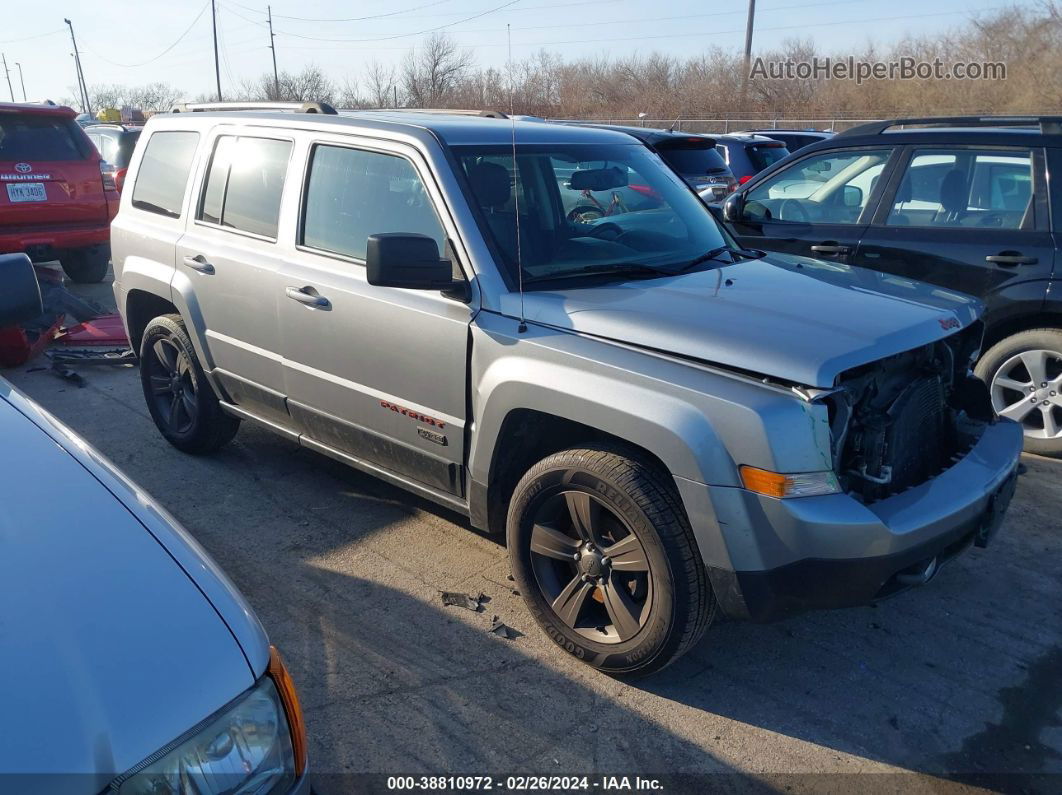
(1050,317)
(141,307)
(525,437)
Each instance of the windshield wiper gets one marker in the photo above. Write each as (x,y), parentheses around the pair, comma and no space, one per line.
(633,270)
(716,254)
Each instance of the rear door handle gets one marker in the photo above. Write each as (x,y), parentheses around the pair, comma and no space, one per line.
(304,296)
(199,263)
(1011,258)
(830,249)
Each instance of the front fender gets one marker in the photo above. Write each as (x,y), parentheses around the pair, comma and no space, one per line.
(700,423)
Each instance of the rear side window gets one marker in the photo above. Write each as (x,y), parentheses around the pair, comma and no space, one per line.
(163,173)
(693,159)
(29,138)
(245,183)
(353,193)
(763,155)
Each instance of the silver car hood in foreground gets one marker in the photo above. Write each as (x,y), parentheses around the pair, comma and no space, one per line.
(110,645)
(791,318)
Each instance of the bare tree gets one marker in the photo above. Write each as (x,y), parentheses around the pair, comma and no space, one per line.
(381,83)
(154,97)
(431,74)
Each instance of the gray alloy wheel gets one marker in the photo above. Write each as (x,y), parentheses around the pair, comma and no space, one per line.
(591,567)
(1027,388)
(605,559)
(169,374)
(180,399)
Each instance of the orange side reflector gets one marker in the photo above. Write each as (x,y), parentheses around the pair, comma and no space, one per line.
(286,688)
(763,482)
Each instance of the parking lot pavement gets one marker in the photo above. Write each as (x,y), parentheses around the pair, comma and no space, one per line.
(961,676)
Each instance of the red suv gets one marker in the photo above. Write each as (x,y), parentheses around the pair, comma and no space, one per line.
(57,196)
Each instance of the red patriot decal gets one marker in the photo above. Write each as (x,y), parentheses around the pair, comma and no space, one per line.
(413,415)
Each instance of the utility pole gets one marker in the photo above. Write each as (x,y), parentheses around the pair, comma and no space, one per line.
(273,47)
(80,73)
(7,74)
(217,63)
(748,53)
(21,80)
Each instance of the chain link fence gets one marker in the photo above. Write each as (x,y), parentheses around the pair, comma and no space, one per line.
(736,125)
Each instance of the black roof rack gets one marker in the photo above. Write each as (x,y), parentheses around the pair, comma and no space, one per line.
(490,114)
(1049,125)
(297,107)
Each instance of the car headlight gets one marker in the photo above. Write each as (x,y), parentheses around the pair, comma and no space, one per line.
(802,484)
(246,747)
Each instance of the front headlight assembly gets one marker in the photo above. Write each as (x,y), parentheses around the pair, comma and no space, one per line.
(246,748)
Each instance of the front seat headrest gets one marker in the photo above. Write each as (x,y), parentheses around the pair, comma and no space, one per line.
(491,184)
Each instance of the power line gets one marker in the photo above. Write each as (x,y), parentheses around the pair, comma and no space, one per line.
(374,16)
(634,20)
(407,35)
(21,39)
(686,35)
(152,60)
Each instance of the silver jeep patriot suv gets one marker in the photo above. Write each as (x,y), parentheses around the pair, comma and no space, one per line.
(664,425)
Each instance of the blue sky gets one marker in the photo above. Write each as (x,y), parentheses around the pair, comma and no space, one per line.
(126,41)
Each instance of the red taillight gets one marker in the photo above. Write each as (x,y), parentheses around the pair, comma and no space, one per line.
(107,172)
(119,178)
(744,179)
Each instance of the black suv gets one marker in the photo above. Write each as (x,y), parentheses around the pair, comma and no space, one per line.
(793,139)
(115,143)
(693,157)
(966,203)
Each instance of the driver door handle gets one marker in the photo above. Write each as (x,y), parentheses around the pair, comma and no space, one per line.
(829,249)
(199,263)
(304,296)
(1011,258)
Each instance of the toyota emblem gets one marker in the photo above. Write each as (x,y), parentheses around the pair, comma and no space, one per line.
(23,168)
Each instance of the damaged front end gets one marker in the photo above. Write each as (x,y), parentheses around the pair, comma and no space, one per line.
(900,421)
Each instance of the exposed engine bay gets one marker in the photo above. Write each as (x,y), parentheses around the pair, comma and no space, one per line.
(900,421)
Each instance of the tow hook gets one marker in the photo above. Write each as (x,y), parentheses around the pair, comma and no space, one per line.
(919,577)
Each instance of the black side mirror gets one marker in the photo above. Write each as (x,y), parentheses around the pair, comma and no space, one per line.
(399,259)
(734,207)
(20,296)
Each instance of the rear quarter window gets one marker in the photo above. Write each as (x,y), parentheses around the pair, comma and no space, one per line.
(693,160)
(29,138)
(763,155)
(163,174)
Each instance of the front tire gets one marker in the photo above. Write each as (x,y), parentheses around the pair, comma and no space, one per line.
(1024,377)
(86,265)
(180,399)
(606,561)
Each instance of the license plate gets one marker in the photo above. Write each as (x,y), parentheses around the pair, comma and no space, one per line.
(26,192)
(997,507)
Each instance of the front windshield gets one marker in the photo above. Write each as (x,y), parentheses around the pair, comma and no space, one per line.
(586,208)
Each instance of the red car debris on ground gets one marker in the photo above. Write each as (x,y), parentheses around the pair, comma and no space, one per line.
(57,196)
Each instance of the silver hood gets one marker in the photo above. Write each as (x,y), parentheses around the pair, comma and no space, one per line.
(111,647)
(791,318)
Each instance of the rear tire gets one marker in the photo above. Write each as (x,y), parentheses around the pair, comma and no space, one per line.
(638,596)
(86,265)
(1024,377)
(181,401)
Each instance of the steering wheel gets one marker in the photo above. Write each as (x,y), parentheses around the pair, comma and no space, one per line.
(584,214)
(606,231)
(793,210)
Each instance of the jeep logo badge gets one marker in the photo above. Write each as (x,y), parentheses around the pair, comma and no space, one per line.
(23,168)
